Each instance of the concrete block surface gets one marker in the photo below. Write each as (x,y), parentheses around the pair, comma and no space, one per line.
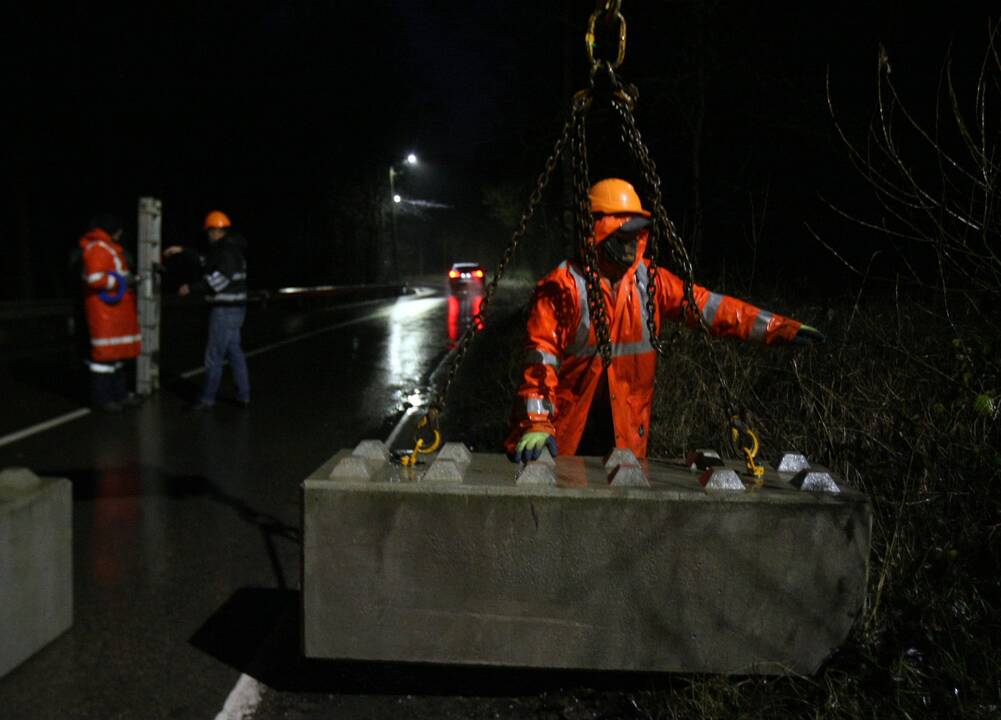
(721,479)
(443,471)
(619,456)
(375,450)
(791,461)
(815,481)
(36,563)
(456,452)
(538,472)
(577,574)
(357,467)
(627,476)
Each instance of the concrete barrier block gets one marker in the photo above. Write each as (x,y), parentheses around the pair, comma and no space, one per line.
(444,471)
(721,479)
(815,481)
(456,452)
(538,472)
(36,563)
(500,571)
(791,461)
(627,476)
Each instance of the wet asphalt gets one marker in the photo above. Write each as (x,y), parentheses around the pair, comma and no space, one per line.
(187,524)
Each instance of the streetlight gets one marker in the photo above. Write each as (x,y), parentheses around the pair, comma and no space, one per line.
(411,159)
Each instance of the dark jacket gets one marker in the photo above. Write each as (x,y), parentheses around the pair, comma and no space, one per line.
(224,272)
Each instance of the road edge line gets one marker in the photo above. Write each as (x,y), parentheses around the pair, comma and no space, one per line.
(43,426)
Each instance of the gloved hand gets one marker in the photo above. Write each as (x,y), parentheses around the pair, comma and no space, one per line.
(809,335)
(530,446)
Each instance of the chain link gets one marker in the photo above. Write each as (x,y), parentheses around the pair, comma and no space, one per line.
(586,245)
(579,108)
(679,256)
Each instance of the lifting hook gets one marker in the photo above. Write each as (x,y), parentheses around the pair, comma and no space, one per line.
(739,428)
(421,447)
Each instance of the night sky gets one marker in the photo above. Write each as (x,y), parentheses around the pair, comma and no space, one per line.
(288,114)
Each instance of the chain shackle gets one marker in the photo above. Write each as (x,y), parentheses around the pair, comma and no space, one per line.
(608,11)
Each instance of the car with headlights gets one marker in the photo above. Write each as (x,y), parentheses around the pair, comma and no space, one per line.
(466,277)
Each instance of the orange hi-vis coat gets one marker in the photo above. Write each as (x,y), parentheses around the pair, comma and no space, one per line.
(114,326)
(563,368)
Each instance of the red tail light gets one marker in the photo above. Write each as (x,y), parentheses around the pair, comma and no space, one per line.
(478,273)
(453,274)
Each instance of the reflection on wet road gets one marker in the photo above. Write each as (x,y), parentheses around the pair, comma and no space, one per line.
(462,313)
(177,515)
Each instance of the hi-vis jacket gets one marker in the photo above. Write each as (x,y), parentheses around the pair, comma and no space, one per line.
(111,319)
(563,368)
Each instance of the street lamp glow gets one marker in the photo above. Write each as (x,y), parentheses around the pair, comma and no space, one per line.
(411,159)
(397,198)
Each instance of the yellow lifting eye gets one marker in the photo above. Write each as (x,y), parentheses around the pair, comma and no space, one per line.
(421,447)
(739,428)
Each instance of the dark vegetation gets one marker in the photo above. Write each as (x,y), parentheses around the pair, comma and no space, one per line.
(903,402)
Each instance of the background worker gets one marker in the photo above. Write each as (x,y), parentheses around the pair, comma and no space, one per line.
(224,285)
(110,309)
(567,398)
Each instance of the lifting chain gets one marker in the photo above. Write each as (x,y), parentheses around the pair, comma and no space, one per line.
(662,226)
(579,109)
(574,136)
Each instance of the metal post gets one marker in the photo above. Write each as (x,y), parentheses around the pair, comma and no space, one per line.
(148,363)
(392,211)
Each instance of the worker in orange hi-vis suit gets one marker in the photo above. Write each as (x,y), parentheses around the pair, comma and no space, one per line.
(110,308)
(567,398)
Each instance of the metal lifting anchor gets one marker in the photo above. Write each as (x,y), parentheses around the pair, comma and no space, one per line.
(421,447)
(738,430)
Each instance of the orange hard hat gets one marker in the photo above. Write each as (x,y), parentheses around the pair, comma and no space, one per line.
(217,219)
(613,196)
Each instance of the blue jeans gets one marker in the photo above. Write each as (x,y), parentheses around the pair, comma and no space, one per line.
(223,344)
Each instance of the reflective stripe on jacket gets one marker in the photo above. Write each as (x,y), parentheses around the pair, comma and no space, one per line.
(562,367)
(224,281)
(113,325)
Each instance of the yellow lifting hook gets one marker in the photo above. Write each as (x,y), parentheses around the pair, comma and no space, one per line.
(422,448)
(737,428)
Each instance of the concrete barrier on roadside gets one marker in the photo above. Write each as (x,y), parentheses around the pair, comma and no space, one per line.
(36,563)
(674,576)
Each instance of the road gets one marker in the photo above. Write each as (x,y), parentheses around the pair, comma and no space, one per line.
(186,525)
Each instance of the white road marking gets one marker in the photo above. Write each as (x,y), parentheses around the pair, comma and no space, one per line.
(242,700)
(43,426)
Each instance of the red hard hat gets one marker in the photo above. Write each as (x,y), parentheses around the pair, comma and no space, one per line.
(614,197)
(217,219)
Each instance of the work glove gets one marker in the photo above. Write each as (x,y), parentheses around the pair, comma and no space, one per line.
(809,335)
(530,446)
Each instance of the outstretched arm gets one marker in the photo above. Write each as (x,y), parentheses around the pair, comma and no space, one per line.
(728,316)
